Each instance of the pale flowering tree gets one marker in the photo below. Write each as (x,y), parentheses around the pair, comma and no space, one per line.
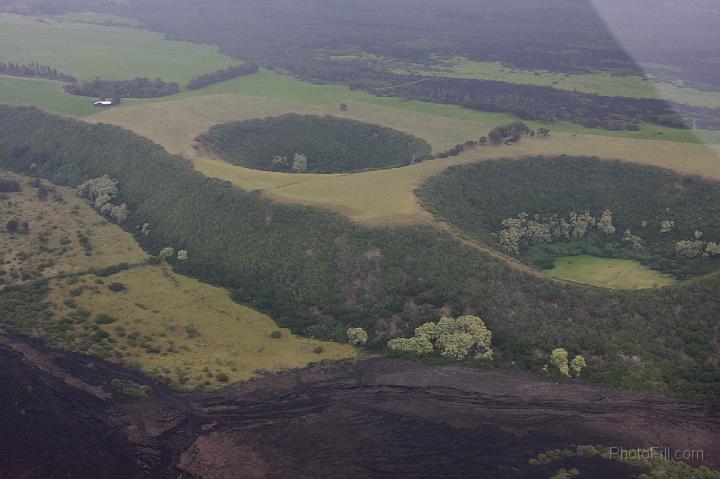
(166,253)
(605,224)
(455,338)
(183,255)
(577,365)
(559,359)
(357,336)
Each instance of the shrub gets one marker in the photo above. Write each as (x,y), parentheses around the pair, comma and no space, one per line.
(276,334)
(104,319)
(117,287)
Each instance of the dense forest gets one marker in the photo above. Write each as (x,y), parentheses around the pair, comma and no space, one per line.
(34,70)
(662,208)
(140,87)
(316,144)
(318,273)
(222,75)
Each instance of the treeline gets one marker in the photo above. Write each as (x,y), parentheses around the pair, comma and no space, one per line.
(317,144)
(318,273)
(140,87)
(528,102)
(34,70)
(222,75)
(655,208)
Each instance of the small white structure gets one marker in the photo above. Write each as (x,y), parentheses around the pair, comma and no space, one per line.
(103,103)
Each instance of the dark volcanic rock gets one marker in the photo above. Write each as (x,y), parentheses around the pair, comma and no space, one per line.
(375,419)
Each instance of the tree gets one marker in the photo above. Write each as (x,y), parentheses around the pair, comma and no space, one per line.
(183,255)
(559,359)
(455,338)
(12,226)
(577,365)
(543,132)
(419,346)
(633,240)
(712,249)
(145,229)
(119,213)
(666,226)
(689,249)
(605,224)
(300,163)
(280,162)
(166,253)
(357,336)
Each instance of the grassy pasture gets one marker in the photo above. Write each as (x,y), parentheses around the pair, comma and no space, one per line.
(383,196)
(53,239)
(175,327)
(45,94)
(270,85)
(86,50)
(608,273)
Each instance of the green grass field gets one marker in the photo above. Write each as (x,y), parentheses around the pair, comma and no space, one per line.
(86,50)
(45,94)
(172,326)
(608,273)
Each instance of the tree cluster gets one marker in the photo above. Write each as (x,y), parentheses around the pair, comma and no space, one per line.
(222,75)
(647,211)
(34,70)
(140,87)
(316,144)
(103,193)
(455,338)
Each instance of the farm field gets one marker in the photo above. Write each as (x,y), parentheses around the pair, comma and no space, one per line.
(382,196)
(86,50)
(59,226)
(608,273)
(181,330)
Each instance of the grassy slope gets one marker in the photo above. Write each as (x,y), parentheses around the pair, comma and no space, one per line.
(384,196)
(230,339)
(60,220)
(86,51)
(608,273)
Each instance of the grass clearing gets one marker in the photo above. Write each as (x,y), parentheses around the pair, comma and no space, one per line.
(45,94)
(86,50)
(57,226)
(181,330)
(608,273)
